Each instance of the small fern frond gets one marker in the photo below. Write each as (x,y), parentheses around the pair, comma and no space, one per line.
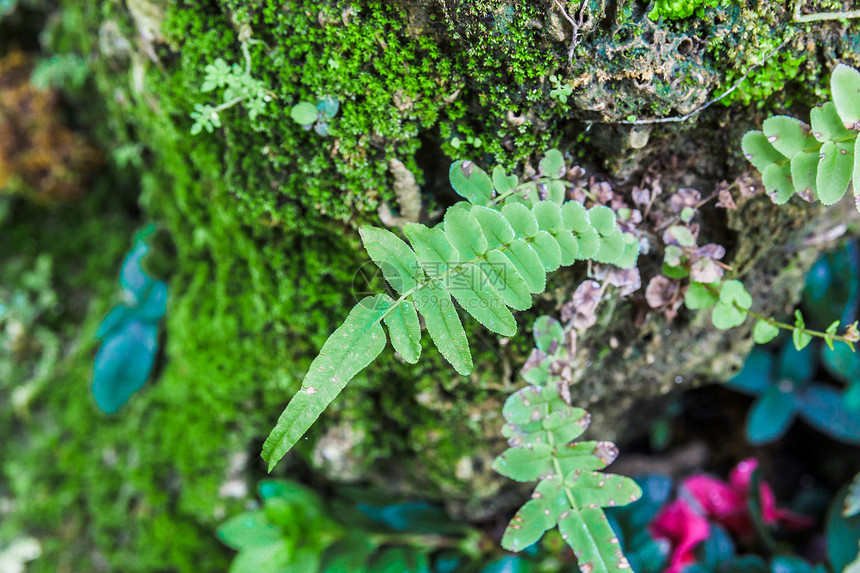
(572,490)
(818,161)
(490,254)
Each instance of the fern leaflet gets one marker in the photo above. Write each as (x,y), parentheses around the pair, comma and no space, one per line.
(489,254)
(818,161)
(571,491)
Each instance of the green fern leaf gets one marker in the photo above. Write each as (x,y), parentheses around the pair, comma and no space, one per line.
(827,125)
(502,182)
(464,232)
(602,219)
(435,252)
(494,227)
(504,277)
(804,172)
(395,259)
(571,490)
(548,216)
(444,325)
(525,464)
(527,264)
(548,250)
(777,181)
(350,348)
(521,219)
(595,544)
(404,330)
(759,151)
(834,172)
(552,164)
(845,86)
(568,246)
(789,136)
(857,173)
(471,182)
(489,259)
(477,296)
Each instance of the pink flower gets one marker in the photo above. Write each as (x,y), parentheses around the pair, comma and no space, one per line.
(728,503)
(684,528)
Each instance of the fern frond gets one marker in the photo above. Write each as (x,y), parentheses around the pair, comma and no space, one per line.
(489,254)
(572,490)
(818,161)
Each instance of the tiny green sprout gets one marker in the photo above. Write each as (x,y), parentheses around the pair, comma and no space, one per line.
(800,337)
(687,214)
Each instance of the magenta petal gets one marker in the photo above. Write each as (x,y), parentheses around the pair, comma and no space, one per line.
(684,528)
(742,474)
(716,498)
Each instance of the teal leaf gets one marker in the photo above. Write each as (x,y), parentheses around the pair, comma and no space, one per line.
(509,564)
(796,365)
(132,278)
(444,325)
(154,304)
(841,362)
(770,416)
(123,363)
(755,376)
(348,351)
(115,320)
(851,506)
(845,87)
(822,408)
(471,182)
(843,534)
